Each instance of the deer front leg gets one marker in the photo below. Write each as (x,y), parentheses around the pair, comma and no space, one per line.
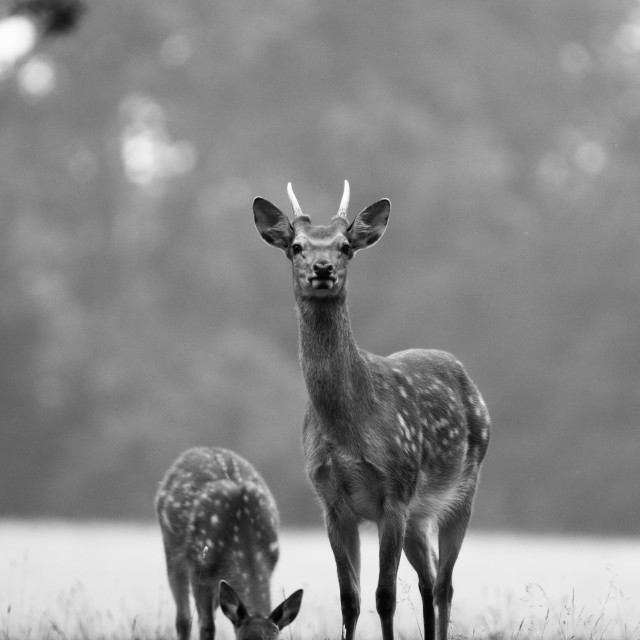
(391,530)
(345,544)
(179,582)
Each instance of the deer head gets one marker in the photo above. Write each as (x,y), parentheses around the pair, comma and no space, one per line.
(396,440)
(320,253)
(257,627)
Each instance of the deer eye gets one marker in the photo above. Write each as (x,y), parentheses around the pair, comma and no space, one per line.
(346,249)
(296,248)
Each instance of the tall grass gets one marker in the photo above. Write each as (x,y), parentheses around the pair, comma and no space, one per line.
(107,581)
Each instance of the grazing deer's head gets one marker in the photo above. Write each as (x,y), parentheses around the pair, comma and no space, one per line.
(257,627)
(320,253)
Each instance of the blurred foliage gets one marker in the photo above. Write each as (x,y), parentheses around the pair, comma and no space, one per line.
(140,313)
(55,17)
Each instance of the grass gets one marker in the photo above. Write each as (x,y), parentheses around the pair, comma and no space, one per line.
(106,581)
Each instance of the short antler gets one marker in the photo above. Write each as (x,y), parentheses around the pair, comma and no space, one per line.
(297,210)
(344,203)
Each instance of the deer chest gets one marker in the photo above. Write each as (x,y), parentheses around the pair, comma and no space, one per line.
(348,483)
(356,482)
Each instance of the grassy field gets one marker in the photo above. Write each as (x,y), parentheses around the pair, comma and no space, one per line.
(103,580)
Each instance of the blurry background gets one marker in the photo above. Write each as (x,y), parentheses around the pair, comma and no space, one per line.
(140,312)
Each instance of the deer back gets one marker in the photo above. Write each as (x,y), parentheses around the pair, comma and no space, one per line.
(217,514)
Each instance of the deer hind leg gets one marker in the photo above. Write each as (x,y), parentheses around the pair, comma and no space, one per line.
(345,544)
(421,558)
(450,537)
(204,594)
(391,532)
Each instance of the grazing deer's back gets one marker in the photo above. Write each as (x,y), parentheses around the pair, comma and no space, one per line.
(217,513)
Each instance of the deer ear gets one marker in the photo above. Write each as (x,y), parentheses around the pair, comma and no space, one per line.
(272,224)
(286,612)
(231,604)
(369,225)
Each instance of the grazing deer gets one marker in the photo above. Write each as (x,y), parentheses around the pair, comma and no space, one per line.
(219,526)
(396,440)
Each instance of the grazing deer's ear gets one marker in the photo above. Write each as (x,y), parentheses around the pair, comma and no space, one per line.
(286,612)
(272,224)
(231,604)
(369,225)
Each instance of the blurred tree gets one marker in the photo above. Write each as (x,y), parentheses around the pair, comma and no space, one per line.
(54,17)
(140,313)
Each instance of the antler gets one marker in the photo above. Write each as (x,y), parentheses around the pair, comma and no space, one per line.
(297,210)
(344,203)
(342,209)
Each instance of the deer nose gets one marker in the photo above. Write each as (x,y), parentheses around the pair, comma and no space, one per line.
(323,269)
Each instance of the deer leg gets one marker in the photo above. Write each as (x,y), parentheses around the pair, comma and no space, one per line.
(345,544)
(450,537)
(420,556)
(203,593)
(391,530)
(179,583)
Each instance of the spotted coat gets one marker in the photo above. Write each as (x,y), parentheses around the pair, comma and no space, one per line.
(220,521)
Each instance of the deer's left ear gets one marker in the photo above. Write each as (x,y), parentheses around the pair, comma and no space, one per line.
(369,225)
(286,612)
(272,224)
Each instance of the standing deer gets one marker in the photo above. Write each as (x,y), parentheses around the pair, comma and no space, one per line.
(396,440)
(219,525)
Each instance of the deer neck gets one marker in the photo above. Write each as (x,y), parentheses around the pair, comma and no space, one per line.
(336,374)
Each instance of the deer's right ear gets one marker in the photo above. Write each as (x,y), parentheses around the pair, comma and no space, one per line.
(231,605)
(273,226)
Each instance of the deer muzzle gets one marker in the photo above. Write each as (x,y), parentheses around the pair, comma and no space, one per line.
(323,276)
